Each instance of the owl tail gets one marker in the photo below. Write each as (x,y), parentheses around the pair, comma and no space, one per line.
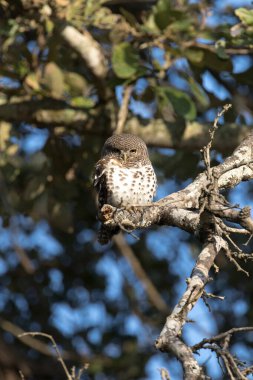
(105,234)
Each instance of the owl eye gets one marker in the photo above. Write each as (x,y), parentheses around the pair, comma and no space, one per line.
(133,151)
(116,150)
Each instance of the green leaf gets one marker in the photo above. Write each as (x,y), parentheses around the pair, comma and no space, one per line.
(53,79)
(200,95)
(161,14)
(194,55)
(181,25)
(125,60)
(206,58)
(181,102)
(159,18)
(80,101)
(245,15)
(165,16)
(220,47)
(75,83)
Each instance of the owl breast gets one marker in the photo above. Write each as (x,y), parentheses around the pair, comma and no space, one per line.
(130,186)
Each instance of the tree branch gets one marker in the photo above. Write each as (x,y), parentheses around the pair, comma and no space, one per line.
(88,48)
(169,339)
(49,112)
(197,208)
(176,208)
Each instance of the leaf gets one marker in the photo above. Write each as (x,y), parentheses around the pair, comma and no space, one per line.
(104,18)
(49,25)
(53,79)
(181,25)
(82,102)
(220,47)
(165,16)
(5,130)
(161,14)
(75,83)
(206,58)
(165,107)
(194,55)
(181,102)
(130,18)
(200,95)
(245,15)
(125,60)
(31,80)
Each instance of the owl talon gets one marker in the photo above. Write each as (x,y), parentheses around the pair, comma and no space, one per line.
(106,213)
(127,226)
(132,209)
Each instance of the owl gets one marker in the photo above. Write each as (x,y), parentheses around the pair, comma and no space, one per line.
(124,177)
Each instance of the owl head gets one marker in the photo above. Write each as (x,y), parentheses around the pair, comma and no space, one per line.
(127,148)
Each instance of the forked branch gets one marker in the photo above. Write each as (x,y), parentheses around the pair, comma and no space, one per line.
(201,209)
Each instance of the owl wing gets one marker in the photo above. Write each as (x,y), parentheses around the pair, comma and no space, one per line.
(100,183)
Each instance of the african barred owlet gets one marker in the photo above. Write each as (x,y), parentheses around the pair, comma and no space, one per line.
(124,177)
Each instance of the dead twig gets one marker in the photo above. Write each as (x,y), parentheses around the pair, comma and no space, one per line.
(29,340)
(70,376)
(220,337)
(212,130)
(55,347)
(123,111)
(220,344)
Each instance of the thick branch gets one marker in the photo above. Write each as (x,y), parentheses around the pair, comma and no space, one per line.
(46,112)
(177,210)
(169,339)
(145,216)
(172,210)
(88,48)
(50,112)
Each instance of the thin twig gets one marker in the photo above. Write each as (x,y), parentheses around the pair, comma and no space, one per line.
(232,260)
(55,347)
(29,341)
(227,366)
(220,336)
(123,111)
(248,371)
(212,130)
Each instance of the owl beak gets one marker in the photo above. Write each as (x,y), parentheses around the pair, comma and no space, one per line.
(124,156)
